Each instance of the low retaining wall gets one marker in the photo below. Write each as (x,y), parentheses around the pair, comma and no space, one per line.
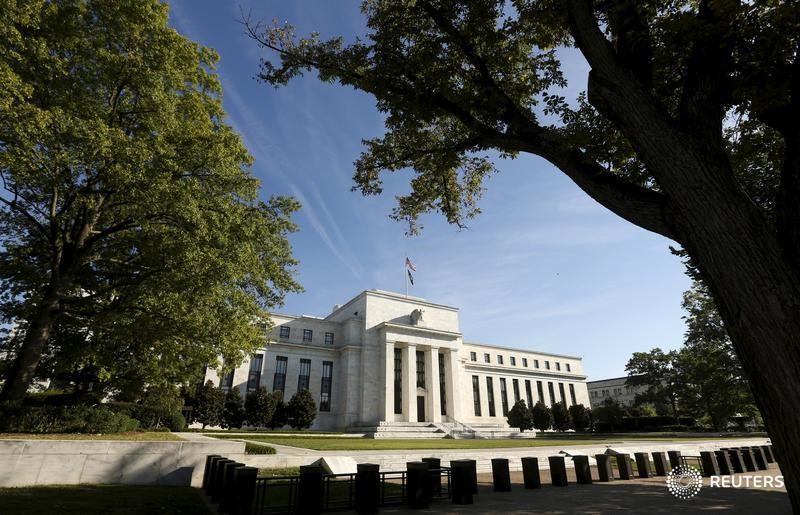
(70,462)
(396,460)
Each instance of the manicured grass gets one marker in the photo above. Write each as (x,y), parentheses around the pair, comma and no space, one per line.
(213,432)
(106,499)
(257,448)
(135,437)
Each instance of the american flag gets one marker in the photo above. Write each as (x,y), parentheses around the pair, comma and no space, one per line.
(410,265)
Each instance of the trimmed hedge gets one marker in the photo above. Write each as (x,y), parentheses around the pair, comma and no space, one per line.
(150,418)
(254,448)
(65,419)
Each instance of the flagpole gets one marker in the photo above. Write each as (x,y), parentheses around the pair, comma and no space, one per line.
(405,275)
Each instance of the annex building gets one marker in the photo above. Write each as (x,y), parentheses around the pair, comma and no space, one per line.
(384,360)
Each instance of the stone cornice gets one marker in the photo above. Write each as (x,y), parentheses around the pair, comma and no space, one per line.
(418,330)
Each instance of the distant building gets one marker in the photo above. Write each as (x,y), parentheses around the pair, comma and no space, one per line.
(386,359)
(613,389)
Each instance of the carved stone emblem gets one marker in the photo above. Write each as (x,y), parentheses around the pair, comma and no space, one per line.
(416,317)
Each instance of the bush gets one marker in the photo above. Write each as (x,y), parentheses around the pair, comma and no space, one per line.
(233,410)
(520,416)
(301,410)
(65,419)
(209,404)
(542,416)
(150,418)
(673,428)
(259,406)
(254,448)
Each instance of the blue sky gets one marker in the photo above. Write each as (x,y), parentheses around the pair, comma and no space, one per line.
(543,267)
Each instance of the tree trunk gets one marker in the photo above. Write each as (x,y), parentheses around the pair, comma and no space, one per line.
(22,371)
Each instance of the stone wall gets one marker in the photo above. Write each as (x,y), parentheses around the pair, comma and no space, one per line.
(70,462)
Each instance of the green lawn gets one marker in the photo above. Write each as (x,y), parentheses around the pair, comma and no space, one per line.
(137,437)
(108,499)
(367,444)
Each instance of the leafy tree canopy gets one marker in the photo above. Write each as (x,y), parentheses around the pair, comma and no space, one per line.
(520,416)
(132,240)
(542,416)
(301,410)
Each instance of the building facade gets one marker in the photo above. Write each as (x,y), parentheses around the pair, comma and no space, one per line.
(615,389)
(384,357)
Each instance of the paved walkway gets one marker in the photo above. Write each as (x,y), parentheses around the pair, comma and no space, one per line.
(640,496)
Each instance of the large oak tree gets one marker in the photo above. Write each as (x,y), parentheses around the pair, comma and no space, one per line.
(690,128)
(132,240)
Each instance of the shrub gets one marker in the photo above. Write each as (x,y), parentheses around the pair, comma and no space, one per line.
(259,406)
(65,419)
(301,410)
(233,410)
(673,428)
(561,418)
(580,417)
(280,417)
(254,448)
(542,417)
(150,418)
(520,416)
(208,405)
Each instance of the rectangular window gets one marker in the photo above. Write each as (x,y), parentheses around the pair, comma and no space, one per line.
(285,331)
(551,392)
(515,384)
(561,392)
(525,362)
(572,393)
(547,365)
(558,365)
(536,363)
(569,368)
(398,381)
(327,379)
(254,376)
(304,379)
(420,369)
(328,338)
(540,391)
(490,396)
(442,387)
(503,396)
(279,383)
(499,359)
(473,356)
(226,381)
(529,393)
(513,361)
(487,358)
(476,396)
(307,335)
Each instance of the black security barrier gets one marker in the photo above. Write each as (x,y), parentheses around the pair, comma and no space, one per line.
(558,471)
(583,472)
(418,493)
(207,470)
(724,463)
(642,464)
(461,481)
(736,460)
(229,486)
(675,459)
(747,458)
(624,466)
(309,490)
(244,490)
(501,477)
(530,473)
(434,474)
(368,488)
(473,467)
(661,463)
(760,458)
(710,467)
(768,453)
(604,471)
(218,480)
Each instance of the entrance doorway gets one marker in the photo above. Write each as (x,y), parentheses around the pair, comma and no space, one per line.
(420,408)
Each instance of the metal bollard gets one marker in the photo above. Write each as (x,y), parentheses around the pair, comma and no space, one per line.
(674,459)
(724,462)
(207,470)
(217,483)
(624,466)
(530,473)
(418,486)
(244,490)
(747,458)
(760,458)
(661,463)
(228,486)
(642,464)
(604,470)
(583,472)
(709,461)
(768,453)
(501,477)
(558,471)
(461,481)
(736,460)
(434,474)
(368,488)
(309,490)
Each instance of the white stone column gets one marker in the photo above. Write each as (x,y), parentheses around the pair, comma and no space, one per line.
(388,365)
(451,378)
(410,383)
(434,404)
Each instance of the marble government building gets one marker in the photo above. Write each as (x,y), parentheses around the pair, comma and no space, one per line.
(399,364)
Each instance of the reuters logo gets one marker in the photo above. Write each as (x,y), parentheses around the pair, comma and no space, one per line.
(684,482)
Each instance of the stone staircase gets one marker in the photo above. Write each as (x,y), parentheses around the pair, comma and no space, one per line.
(499,430)
(399,430)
